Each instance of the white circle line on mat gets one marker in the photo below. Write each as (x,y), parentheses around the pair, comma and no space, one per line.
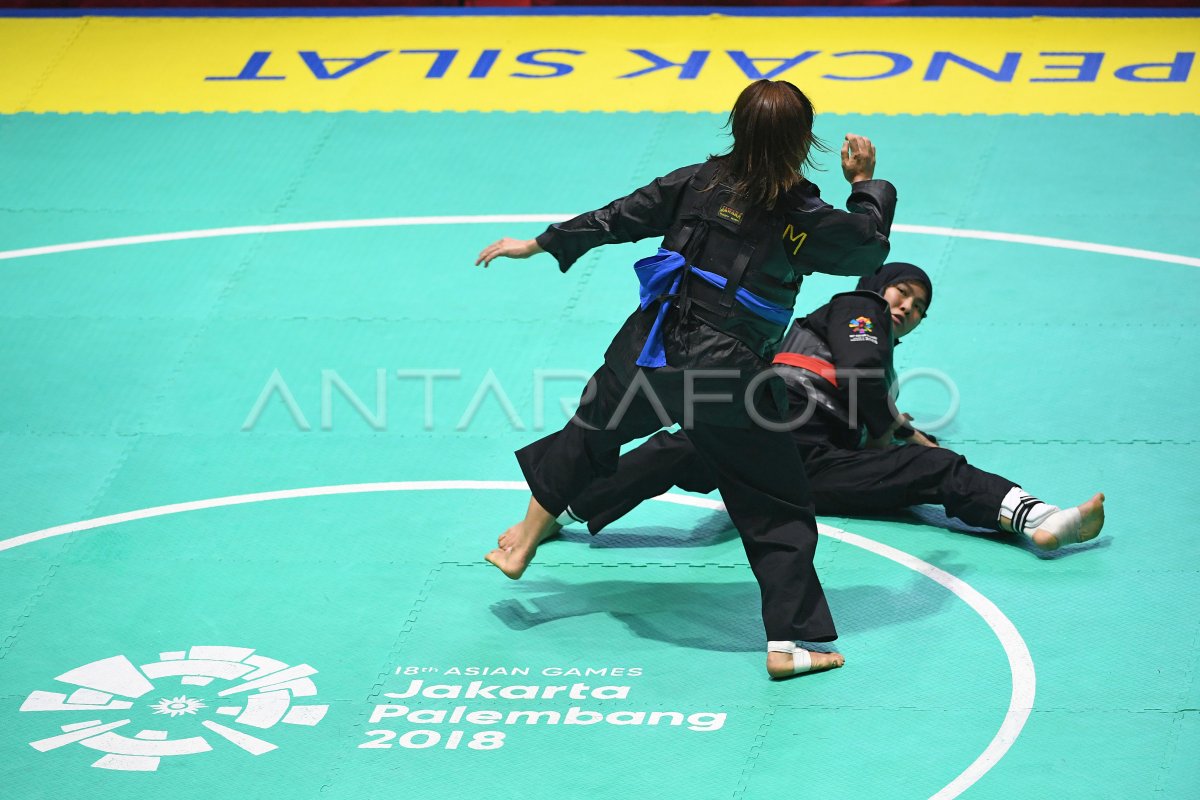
(392,222)
(1020,662)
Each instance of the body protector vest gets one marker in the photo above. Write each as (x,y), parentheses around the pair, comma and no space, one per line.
(719,231)
(806,366)
(805,363)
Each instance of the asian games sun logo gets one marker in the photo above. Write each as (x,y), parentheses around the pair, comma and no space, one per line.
(861,325)
(175,699)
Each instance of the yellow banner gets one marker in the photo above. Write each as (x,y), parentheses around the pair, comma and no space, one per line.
(869,65)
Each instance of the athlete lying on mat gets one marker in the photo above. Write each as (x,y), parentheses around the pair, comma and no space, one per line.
(854,466)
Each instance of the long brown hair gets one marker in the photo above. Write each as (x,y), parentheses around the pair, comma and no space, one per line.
(773,140)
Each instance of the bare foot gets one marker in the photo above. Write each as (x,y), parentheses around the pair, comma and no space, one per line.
(1060,530)
(507,541)
(523,540)
(513,560)
(782,665)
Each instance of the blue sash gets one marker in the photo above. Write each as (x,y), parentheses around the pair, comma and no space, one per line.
(660,275)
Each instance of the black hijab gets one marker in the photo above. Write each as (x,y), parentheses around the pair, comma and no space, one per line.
(893,273)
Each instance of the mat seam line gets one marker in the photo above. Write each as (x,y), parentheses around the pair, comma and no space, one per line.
(68,543)
(55,62)
(756,747)
(1179,718)
(206,322)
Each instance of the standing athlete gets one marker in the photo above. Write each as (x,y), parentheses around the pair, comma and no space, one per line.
(740,231)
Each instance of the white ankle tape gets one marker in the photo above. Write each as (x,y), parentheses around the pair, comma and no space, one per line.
(801,660)
(1065,525)
(1025,511)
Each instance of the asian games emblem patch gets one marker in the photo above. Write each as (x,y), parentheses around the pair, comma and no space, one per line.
(862,325)
(861,329)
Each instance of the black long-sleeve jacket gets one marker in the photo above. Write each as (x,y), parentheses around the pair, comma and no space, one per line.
(853,333)
(768,252)
(822,238)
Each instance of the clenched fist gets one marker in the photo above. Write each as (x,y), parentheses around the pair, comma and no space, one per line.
(858,158)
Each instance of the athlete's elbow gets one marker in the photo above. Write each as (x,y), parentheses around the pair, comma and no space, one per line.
(866,259)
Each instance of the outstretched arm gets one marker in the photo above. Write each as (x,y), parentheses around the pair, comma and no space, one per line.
(508,248)
(647,212)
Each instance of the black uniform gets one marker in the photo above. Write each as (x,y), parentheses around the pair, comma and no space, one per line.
(758,472)
(822,353)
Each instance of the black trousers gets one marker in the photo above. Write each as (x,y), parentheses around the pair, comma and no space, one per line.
(840,481)
(758,472)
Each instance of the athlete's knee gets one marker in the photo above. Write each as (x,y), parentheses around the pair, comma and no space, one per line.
(695,476)
(942,457)
(690,472)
